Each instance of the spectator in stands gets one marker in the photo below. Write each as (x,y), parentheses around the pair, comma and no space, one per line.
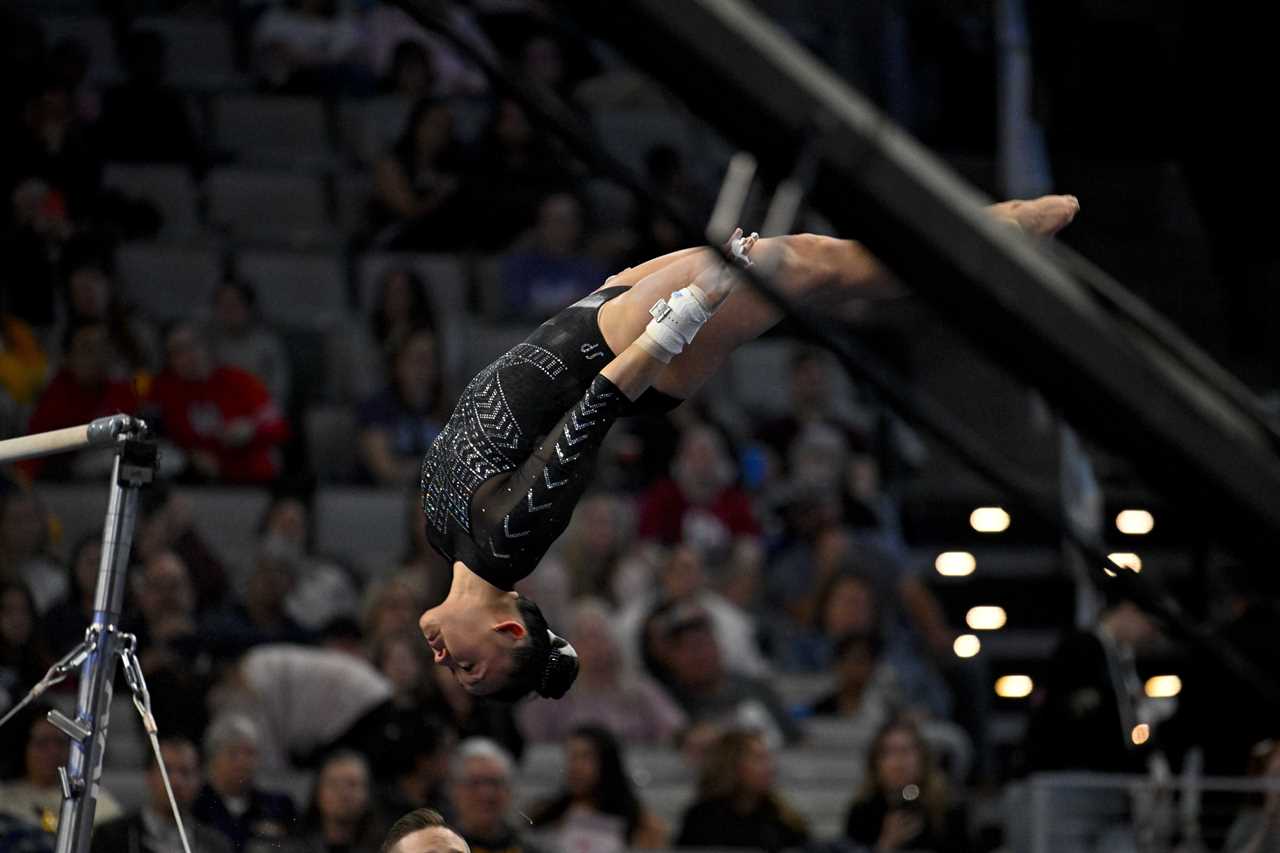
(261,618)
(152,827)
(480,781)
(669,177)
(593,546)
(904,803)
(23,366)
(239,338)
(887,596)
(341,817)
(222,417)
(391,608)
(629,704)
(92,298)
(309,46)
(698,503)
(24,549)
(321,590)
(308,702)
(418,769)
(423,831)
(682,651)
(398,424)
(66,621)
(866,690)
(165,524)
(401,306)
(173,654)
(82,390)
(682,579)
(1093,698)
(597,809)
(53,145)
(403,53)
(1257,827)
(32,244)
(24,656)
(231,801)
(513,170)
(418,198)
(35,797)
(553,270)
(737,805)
(144,119)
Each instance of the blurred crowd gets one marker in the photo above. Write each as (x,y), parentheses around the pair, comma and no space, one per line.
(724,550)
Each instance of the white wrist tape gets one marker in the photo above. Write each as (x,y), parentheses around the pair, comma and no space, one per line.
(675,323)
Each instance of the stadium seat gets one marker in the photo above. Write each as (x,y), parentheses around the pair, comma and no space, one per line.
(369,128)
(352,191)
(169,188)
(201,55)
(268,207)
(331,442)
(365,526)
(302,290)
(94,32)
(168,282)
(273,129)
(629,134)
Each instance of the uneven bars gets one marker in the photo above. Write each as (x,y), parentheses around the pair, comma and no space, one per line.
(98,433)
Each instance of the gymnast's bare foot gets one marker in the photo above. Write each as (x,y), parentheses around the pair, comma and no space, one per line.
(1041,217)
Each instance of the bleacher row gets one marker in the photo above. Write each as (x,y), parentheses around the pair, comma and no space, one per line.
(819,778)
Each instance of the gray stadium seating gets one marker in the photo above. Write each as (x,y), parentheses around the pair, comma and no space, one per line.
(268,207)
(302,290)
(331,442)
(369,128)
(94,32)
(273,129)
(168,282)
(200,53)
(367,527)
(629,134)
(168,187)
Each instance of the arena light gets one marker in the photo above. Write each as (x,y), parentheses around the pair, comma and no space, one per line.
(1014,686)
(989,519)
(967,645)
(1141,734)
(1135,522)
(1163,686)
(1127,559)
(955,564)
(985,618)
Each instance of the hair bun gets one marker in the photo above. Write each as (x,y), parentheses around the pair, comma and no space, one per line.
(561,668)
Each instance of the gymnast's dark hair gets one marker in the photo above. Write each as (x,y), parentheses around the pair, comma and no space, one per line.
(545,664)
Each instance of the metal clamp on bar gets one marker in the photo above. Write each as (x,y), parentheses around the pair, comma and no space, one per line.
(138,460)
(67,726)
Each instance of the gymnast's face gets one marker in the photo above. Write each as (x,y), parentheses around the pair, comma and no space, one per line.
(472,646)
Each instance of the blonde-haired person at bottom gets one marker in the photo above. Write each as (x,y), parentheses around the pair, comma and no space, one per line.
(737,805)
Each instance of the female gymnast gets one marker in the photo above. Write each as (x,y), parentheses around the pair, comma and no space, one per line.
(501,481)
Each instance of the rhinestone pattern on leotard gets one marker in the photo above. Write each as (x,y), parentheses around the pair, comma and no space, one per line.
(482,439)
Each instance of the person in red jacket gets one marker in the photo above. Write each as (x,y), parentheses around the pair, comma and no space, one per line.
(87,387)
(223,417)
(699,503)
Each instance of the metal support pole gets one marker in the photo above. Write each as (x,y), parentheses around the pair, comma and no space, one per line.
(135,466)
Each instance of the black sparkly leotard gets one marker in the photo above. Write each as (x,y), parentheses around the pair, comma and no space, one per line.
(500,482)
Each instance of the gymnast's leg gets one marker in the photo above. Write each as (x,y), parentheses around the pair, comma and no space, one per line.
(817,270)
